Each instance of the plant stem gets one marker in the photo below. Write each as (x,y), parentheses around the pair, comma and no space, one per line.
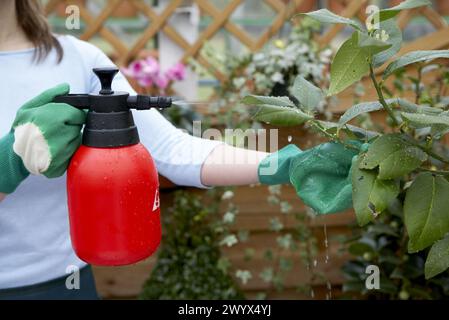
(442,172)
(382,100)
(330,136)
(418,86)
(430,152)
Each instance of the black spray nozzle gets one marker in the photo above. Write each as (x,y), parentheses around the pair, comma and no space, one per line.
(146,102)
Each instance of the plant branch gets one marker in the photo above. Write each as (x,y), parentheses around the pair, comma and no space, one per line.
(430,152)
(442,172)
(418,85)
(382,100)
(330,136)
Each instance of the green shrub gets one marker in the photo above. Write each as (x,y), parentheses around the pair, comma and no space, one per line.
(188,262)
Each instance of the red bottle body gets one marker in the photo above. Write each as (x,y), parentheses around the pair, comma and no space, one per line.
(114,207)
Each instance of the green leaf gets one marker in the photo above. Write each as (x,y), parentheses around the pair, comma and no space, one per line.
(272,101)
(357,110)
(372,45)
(326,16)
(425,120)
(365,107)
(394,33)
(359,248)
(414,57)
(438,258)
(350,63)
(382,229)
(386,14)
(394,156)
(281,116)
(279,111)
(410,107)
(370,195)
(308,95)
(426,211)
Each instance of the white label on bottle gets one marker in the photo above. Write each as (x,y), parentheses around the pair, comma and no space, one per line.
(157,202)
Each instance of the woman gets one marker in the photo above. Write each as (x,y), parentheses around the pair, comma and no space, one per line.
(38,137)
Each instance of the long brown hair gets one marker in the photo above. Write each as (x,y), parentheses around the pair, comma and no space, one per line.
(31,18)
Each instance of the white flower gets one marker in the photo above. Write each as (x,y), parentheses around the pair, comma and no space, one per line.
(277,77)
(229,241)
(229,217)
(227,195)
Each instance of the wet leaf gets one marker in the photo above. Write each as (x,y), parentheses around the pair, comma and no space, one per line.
(371,196)
(390,28)
(414,57)
(308,95)
(438,258)
(326,16)
(394,156)
(425,211)
(350,63)
(389,13)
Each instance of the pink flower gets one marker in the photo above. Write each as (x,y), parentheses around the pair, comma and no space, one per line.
(133,70)
(161,81)
(145,82)
(177,72)
(150,67)
(144,71)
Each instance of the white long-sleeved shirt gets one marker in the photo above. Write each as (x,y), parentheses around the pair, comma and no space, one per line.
(34,230)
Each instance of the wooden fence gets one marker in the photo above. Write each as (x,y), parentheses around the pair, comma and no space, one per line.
(126,282)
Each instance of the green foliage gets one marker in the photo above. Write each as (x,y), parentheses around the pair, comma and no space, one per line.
(390,29)
(425,120)
(383,243)
(371,195)
(425,211)
(351,62)
(357,110)
(414,57)
(189,264)
(278,111)
(391,169)
(438,259)
(326,16)
(386,14)
(307,94)
(394,155)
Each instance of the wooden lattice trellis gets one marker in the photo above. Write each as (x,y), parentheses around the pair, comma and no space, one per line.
(159,21)
(221,19)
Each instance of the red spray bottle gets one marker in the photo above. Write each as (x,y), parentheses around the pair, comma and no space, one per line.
(112,181)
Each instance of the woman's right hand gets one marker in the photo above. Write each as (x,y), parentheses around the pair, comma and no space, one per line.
(42,140)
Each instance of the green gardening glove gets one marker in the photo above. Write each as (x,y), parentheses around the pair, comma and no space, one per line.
(43,138)
(321,175)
